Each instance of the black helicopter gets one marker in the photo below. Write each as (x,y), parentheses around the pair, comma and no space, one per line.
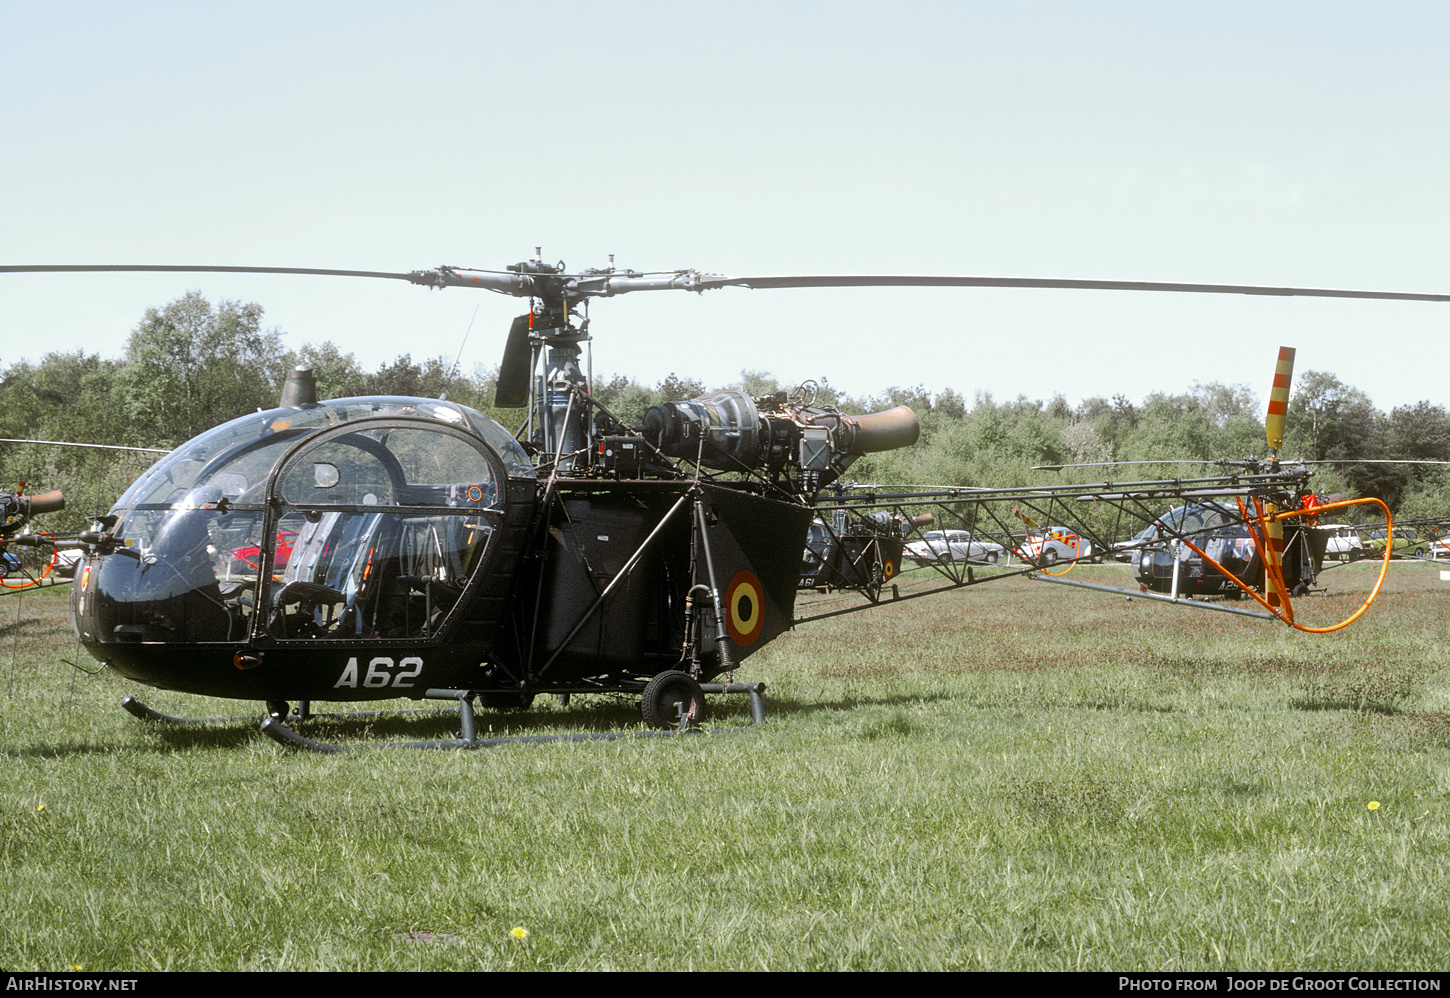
(16,509)
(372,548)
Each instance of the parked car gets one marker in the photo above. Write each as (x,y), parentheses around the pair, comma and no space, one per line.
(1054,544)
(1342,543)
(1407,543)
(64,568)
(66,563)
(937,546)
(247,560)
(1440,548)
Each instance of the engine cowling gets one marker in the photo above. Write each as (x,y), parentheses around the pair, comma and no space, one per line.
(732,431)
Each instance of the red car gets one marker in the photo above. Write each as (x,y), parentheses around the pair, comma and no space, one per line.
(248,561)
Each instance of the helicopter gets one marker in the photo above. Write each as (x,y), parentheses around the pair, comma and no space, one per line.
(371,548)
(16,510)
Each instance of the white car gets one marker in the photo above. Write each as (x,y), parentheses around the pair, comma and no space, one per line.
(64,567)
(938,546)
(66,563)
(1343,544)
(1049,545)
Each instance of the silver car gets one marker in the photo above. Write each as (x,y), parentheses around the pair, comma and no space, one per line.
(937,546)
(1053,544)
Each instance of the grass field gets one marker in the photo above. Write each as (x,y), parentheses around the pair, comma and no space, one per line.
(1018,777)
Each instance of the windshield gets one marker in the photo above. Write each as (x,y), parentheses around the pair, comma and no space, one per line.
(1187,520)
(371,529)
(236,457)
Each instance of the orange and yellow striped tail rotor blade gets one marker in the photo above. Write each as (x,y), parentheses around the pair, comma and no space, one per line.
(1279,399)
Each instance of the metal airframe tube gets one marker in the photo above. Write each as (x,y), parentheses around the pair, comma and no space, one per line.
(1081,493)
(1160,597)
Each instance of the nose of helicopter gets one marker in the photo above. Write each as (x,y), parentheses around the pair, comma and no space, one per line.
(304,536)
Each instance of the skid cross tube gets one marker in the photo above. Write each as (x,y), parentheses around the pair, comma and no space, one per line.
(757,700)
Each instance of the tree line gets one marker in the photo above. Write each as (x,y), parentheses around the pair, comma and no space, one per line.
(192,364)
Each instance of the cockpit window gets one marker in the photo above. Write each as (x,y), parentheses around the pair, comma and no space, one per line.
(1187,520)
(237,456)
(374,527)
(515,459)
(389,522)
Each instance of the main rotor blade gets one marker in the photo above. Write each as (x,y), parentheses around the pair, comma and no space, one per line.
(92,268)
(1365,460)
(504,282)
(608,283)
(948,281)
(62,443)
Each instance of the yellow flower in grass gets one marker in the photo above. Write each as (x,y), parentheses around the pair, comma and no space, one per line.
(519,932)
(1373,805)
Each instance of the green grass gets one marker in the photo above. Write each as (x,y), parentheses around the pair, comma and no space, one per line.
(1016,778)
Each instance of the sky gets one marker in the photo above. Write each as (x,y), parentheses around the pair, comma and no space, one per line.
(1251,143)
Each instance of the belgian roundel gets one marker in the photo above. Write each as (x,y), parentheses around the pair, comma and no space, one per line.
(888,568)
(745,608)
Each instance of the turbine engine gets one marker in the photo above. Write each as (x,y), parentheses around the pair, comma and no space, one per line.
(732,431)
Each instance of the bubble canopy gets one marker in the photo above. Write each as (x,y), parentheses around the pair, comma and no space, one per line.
(237,455)
(354,520)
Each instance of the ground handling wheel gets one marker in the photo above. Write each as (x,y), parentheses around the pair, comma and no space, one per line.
(672,699)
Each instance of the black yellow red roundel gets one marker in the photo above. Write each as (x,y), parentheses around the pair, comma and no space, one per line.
(888,568)
(745,608)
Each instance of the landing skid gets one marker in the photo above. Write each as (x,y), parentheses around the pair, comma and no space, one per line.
(275,724)
(137,709)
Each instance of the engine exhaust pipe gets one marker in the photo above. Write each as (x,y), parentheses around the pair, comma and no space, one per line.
(881,431)
(47,502)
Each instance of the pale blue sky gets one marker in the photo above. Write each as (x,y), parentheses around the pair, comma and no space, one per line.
(1290,143)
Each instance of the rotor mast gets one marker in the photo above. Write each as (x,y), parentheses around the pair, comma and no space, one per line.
(556,400)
